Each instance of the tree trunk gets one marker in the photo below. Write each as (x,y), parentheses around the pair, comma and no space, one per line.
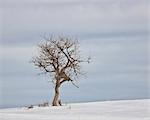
(56,101)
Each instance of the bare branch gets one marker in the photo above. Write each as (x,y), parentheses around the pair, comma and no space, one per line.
(74,84)
(59,56)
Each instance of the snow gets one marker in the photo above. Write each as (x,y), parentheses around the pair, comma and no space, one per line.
(107,110)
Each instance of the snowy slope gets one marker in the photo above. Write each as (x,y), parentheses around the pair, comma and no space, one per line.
(108,110)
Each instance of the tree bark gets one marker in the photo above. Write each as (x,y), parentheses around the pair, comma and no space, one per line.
(56,96)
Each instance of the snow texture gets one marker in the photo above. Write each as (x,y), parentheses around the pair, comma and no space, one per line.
(107,110)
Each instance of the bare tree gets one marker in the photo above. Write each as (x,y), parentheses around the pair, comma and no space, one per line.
(59,57)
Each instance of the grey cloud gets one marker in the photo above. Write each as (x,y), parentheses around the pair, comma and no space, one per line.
(24,23)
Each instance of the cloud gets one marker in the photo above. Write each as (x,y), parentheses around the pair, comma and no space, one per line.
(24,20)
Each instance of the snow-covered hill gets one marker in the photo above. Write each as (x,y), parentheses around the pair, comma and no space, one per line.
(107,110)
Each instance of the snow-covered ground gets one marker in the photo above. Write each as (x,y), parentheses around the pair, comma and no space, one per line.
(107,110)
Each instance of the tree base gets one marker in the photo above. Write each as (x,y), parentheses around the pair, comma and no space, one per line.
(57,103)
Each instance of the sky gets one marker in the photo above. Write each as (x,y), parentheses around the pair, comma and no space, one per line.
(115,33)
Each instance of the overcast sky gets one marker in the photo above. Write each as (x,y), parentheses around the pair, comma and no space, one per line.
(113,32)
(23,20)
